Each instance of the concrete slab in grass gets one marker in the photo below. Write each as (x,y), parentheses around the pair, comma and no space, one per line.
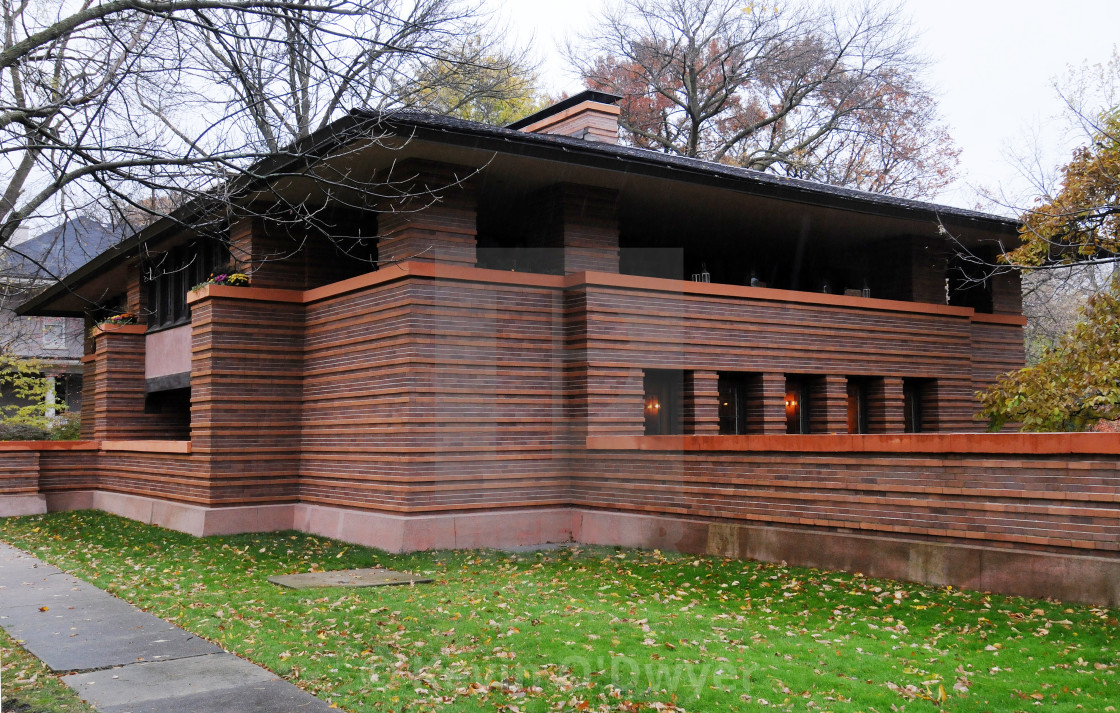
(268,697)
(97,633)
(127,659)
(372,577)
(43,587)
(25,581)
(13,561)
(213,683)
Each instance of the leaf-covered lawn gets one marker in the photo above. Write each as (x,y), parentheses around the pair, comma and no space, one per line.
(595,629)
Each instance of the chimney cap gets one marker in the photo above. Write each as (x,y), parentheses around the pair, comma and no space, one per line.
(592,95)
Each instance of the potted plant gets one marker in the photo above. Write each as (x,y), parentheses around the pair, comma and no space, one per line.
(236,279)
(118,320)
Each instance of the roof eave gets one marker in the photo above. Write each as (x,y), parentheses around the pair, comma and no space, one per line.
(545,146)
(609,156)
(338,132)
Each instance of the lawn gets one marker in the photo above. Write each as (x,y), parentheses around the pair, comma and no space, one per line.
(596,629)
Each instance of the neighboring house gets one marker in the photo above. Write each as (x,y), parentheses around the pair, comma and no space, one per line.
(566,338)
(26,267)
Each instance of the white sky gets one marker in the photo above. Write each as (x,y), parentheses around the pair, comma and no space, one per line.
(993,62)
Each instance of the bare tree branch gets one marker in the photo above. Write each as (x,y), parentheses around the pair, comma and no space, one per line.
(801,89)
(119,101)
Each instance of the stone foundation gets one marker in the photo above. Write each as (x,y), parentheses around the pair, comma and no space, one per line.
(1076,578)
(18,505)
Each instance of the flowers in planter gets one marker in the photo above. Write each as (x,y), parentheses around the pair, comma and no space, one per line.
(118,319)
(236,279)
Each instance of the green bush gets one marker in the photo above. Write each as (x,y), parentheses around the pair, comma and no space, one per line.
(69,428)
(24,432)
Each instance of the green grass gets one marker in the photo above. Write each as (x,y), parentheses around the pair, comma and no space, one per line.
(595,628)
(28,686)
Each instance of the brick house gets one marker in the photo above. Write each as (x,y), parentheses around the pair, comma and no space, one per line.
(27,265)
(565,338)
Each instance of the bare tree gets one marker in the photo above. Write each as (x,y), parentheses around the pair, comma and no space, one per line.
(800,89)
(127,108)
(290,73)
(123,111)
(1053,300)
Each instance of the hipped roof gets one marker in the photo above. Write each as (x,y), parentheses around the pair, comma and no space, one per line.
(435,135)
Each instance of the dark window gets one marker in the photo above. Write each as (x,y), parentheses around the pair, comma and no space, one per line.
(664,389)
(969,284)
(917,395)
(62,389)
(172,411)
(108,308)
(69,391)
(172,274)
(735,391)
(798,406)
(857,406)
(174,401)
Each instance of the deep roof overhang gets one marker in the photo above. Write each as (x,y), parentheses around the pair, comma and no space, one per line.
(680,168)
(639,173)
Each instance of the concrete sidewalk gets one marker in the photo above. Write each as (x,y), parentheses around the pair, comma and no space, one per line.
(124,660)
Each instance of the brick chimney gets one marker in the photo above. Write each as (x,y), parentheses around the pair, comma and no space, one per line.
(590,115)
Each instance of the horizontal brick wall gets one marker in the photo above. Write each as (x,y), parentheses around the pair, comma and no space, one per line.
(625,327)
(19,472)
(246,389)
(987,490)
(143,471)
(1028,492)
(113,390)
(996,350)
(426,388)
(171,476)
(68,470)
(433,395)
(356,393)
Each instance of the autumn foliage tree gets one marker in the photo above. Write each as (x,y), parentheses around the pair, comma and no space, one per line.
(1073,385)
(804,90)
(1077,382)
(1081,222)
(476,82)
(25,411)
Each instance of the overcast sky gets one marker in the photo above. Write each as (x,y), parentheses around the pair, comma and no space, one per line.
(993,62)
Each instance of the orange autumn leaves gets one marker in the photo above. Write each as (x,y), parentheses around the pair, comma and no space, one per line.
(1076,383)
